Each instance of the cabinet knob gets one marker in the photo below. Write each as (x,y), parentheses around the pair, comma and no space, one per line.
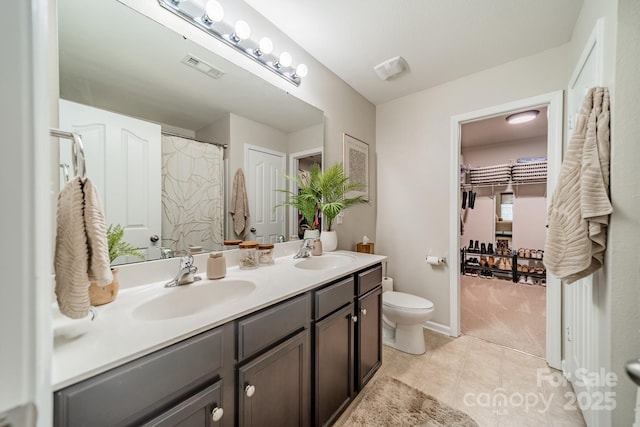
(154,238)
(364,311)
(216,414)
(249,390)
(355,319)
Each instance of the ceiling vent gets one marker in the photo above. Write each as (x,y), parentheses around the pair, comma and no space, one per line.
(391,68)
(202,66)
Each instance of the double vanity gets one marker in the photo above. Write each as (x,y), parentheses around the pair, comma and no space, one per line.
(286,344)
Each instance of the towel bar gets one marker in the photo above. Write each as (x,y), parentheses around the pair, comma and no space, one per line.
(79,166)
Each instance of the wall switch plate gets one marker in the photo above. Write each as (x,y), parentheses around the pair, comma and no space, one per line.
(340,218)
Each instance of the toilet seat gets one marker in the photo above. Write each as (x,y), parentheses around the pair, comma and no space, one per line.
(406,302)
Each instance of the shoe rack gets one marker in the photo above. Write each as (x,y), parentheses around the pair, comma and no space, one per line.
(503,262)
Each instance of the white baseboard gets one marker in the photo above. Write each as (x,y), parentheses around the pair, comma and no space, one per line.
(437,327)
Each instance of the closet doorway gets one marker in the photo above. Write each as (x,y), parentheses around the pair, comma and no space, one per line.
(300,163)
(501,303)
(503,213)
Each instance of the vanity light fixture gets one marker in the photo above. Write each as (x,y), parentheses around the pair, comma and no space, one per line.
(265,47)
(208,16)
(522,117)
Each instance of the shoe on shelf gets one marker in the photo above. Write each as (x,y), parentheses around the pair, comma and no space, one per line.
(527,253)
(476,249)
(521,252)
(483,248)
(483,261)
(492,262)
(508,265)
(490,248)
(524,268)
(539,254)
(529,280)
(470,247)
(519,268)
(522,280)
(543,282)
(501,264)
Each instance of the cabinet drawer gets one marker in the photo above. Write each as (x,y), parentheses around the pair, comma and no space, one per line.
(258,331)
(197,410)
(130,392)
(367,280)
(331,298)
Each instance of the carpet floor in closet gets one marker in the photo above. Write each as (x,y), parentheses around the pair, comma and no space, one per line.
(504,313)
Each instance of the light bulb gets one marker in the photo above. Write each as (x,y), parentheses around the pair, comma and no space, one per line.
(285,59)
(302,70)
(266,45)
(242,30)
(213,12)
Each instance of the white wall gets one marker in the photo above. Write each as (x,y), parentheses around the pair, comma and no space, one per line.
(413,135)
(622,269)
(306,139)
(503,152)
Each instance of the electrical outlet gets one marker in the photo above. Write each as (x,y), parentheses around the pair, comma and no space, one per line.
(340,218)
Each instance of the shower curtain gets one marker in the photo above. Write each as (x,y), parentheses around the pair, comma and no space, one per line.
(192,194)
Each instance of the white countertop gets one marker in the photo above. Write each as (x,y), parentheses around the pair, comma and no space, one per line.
(84,348)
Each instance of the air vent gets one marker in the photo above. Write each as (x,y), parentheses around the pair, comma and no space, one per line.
(202,66)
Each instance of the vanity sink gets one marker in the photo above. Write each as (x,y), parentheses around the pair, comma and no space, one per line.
(325,262)
(191,299)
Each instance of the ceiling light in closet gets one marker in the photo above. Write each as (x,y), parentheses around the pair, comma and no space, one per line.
(522,117)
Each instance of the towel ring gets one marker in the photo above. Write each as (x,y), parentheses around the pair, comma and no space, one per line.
(77,151)
(79,166)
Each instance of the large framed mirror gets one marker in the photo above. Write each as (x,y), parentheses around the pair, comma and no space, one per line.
(122,65)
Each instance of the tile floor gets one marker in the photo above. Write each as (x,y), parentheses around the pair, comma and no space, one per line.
(470,374)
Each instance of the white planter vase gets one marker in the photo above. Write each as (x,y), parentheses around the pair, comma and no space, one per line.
(311,234)
(329,241)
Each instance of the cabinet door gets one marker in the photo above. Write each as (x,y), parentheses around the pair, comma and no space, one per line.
(369,338)
(204,409)
(334,365)
(274,388)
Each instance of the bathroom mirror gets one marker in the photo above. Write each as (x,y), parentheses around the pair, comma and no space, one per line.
(114,58)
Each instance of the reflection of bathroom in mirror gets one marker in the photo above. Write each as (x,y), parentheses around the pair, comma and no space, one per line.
(130,92)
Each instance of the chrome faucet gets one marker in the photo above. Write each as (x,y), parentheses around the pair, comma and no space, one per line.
(186,273)
(305,249)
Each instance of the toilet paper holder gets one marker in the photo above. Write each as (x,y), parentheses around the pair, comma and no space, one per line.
(434,260)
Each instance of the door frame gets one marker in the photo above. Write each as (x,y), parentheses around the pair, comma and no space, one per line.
(293,166)
(554,101)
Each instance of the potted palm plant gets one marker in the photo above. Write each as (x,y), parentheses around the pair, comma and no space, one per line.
(333,186)
(306,200)
(99,295)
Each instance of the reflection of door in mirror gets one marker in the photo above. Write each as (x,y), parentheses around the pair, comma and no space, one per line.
(123,160)
(265,175)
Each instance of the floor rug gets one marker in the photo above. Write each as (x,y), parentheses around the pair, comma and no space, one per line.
(389,402)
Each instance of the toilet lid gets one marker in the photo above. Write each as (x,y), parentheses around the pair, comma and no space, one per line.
(406,301)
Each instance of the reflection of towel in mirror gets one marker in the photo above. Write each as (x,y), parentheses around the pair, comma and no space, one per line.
(239,208)
(579,210)
(81,253)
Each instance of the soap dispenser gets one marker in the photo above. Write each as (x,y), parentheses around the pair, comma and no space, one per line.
(216,266)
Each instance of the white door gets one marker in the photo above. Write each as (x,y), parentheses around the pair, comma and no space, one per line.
(123,159)
(265,170)
(580,308)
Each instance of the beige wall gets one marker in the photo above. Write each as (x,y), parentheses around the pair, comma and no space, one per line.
(622,268)
(414,172)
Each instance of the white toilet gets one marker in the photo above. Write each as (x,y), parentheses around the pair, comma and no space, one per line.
(402,318)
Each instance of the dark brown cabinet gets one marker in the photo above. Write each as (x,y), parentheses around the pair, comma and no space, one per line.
(369,332)
(347,341)
(334,363)
(273,389)
(274,366)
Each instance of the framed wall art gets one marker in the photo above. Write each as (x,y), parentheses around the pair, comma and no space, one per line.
(356,164)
